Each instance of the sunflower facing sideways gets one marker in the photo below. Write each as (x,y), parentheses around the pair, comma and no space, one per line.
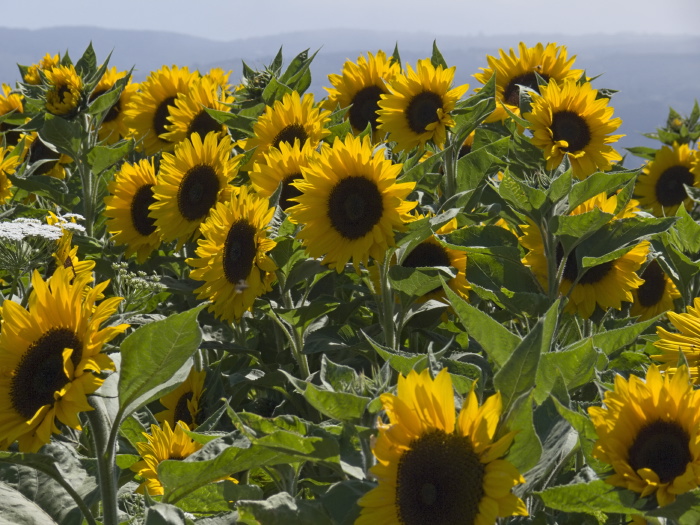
(8,165)
(50,356)
(190,183)
(127,209)
(10,102)
(350,203)
(656,295)
(281,166)
(360,86)
(65,90)
(660,186)
(649,432)
(148,110)
(114,125)
(189,113)
(606,285)
(417,109)
(183,403)
(232,255)
(687,341)
(512,71)
(568,120)
(31,75)
(292,118)
(435,467)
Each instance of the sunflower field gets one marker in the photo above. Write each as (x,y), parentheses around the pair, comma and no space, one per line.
(408,302)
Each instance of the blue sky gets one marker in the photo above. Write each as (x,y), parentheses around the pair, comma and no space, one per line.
(233,19)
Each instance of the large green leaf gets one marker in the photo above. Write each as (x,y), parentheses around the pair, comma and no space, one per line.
(282,509)
(596,497)
(494,338)
(154,359)
(16,508)
(576,367)
(596,184)
(517,376)
(342,406)
(63,134)
(526,448)
(610,341)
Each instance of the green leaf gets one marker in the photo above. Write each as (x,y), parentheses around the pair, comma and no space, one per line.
(624,232)
(522,196)
(63,134)
(87,64)
(517,376)
(473,168)
(156,358)
(336,405)
(339,378)
(494,338)
(686,232)
(573,229)
(402,362)
(282,509)
(596,184)
(340,500)
(102,158)
(526,448)
(16,508)
(218,497)
(416,282)
(596,497)
(234,121)
(436,59)
(685,510)
(576,367)
(162,514)
(610,341)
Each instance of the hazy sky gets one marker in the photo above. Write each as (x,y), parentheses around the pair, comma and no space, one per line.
(233,19)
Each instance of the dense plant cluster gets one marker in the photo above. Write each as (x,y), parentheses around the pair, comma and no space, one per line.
(408,302)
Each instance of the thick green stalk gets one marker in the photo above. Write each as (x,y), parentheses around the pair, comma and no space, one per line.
(387,307)
(105,448)
(450,170)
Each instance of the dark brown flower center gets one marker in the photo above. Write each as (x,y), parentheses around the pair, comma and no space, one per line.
(143,224)
(40,371)
(198,192)
(289,191)
(439,481)
(652,291)
(669,187)
(203,123)
(364,107)
(182,413)
(511,93)
(593,274)
(355,206)
(289,133)
(160,117)
(571,127)
(662,446)
(240,250)
(422,111)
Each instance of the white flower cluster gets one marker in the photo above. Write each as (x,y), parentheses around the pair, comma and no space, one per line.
(20,229)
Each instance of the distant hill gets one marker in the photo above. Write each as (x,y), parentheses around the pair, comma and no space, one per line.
(652,72)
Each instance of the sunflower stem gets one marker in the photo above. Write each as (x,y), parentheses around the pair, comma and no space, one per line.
(450,169)
(387,309)
(105,446)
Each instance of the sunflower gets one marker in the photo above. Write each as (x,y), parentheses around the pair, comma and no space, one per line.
(436,468)
(65,91)
(148,110)
(432,252)
(660,186)
(183,403)
(66,255)
(607,284)
(114,126)
(417,109)
(46,160)
(649,432)
(291,118)
(50,357)
(31,75)
(8,165)
(350,203)
(10,102)
(127,209)
(360,86)
(568,120)
(512,71)
(281,166)
(220,78)
(190,183)
(189,114)
(687,341)
(232,257)
(163,443)
(656,295)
